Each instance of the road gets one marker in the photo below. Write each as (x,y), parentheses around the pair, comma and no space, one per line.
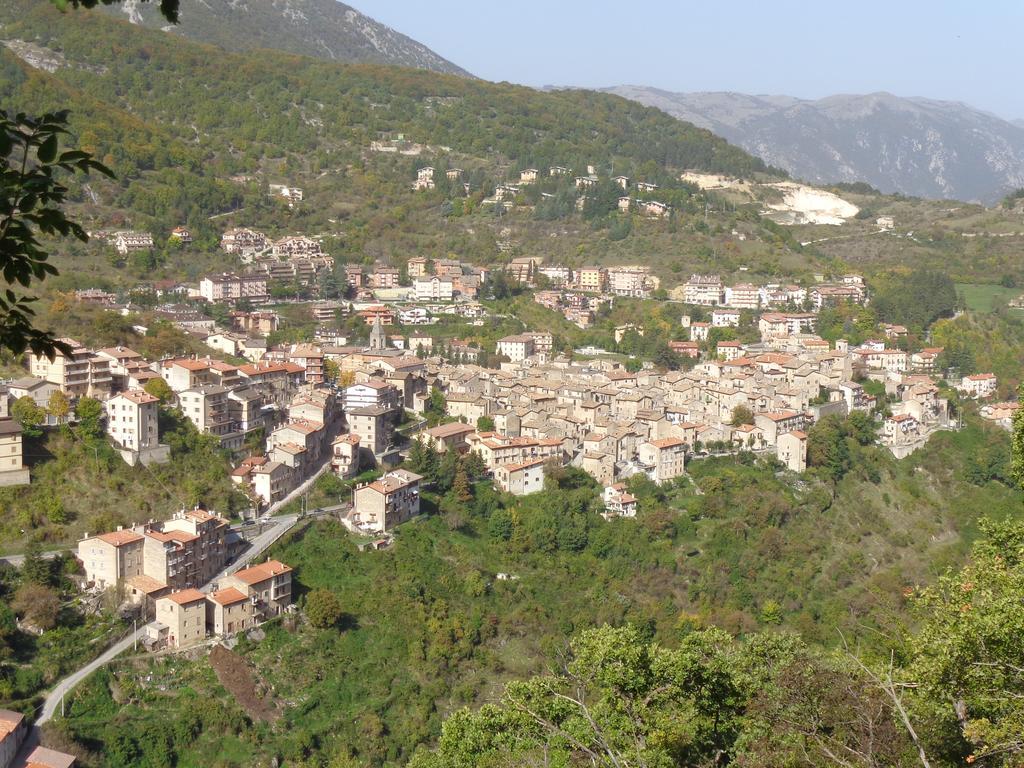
(18,560)
(259,545)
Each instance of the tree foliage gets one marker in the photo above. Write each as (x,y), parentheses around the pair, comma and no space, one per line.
(31,204)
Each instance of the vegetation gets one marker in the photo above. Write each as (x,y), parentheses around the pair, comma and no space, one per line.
(429,627)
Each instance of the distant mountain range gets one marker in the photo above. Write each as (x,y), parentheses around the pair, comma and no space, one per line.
(324,29)
(915,146)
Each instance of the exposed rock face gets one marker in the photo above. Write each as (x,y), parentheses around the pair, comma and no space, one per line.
(324,29)
(919,147)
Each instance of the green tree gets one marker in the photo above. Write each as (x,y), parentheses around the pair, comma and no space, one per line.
(159,389)
(29,415)
(827,448)
(36,568)
(58,406)
(741,414)
(332,371)
(967,658)
(485,424)
(460,486)
(323,609)
(1017,443)
(89,412)
(31,204)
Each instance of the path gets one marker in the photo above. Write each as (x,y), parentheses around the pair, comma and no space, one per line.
(18,560)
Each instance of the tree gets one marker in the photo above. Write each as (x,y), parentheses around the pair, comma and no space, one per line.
(460,486)
(29,415)
(159,389)
(967,658)
(36,569)
(89,412)
(38,604)
(741,414)
(1017,443)
(59,407)
(31,204)
(485,424)
(332,371)
(827,448)
(323,609)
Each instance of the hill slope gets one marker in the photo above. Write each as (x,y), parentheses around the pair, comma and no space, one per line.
(324,29)
(920,147)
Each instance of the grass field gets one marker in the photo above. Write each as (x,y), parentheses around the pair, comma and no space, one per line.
(979,296)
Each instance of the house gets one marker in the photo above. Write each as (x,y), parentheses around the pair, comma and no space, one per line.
(447,437)
(776,424)
(618,502)
(244,242)
(268,587)
(372,425)
(13,729)
(12,468)
(111,558)
(629,280)
(271,481)
(496,449)
(699,331)
(44,757)
(207,406)
(528,175)
(978,385)
(182,234)
(522,478)
(345,455)
(663,459)
(388,501)
(385,278)
(728,350)
(228,611)
(791,450)
(725,318)
(39,390)
(184,615)
(516,348)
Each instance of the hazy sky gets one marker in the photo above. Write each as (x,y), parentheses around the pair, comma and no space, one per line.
(945,49)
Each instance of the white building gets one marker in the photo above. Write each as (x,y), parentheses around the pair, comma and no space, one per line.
(433,288)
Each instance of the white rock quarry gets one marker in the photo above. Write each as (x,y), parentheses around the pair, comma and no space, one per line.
(805,205)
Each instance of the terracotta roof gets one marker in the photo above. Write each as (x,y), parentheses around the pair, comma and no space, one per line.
(139,396)
(262,572)
(120,538)
(228,596)
(43,757)
(9,722)
(146,584)
(667,442)
(186,596)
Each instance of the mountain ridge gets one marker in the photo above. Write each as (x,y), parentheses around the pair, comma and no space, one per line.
(915,146)
(323,29)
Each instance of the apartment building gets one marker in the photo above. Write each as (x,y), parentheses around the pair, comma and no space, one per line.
(82,373)
(663,459)
(592,279)
(791,450)
(497,450)
(372,393)
(208,407)
(110,559)
(132,419)
(243,241)
(705,290)
(372,425)
(345,455)
(388,501)
(232,287)
(433,288)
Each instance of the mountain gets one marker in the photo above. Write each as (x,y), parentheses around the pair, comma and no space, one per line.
(914,146)
(324,29)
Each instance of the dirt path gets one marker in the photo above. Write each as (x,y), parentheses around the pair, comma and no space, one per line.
(237,677)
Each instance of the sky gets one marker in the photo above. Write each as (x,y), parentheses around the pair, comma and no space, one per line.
(942,49)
